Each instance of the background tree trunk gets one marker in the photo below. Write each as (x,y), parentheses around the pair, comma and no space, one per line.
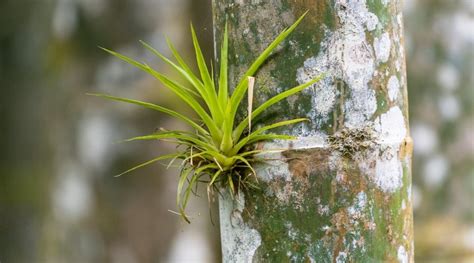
(342,191)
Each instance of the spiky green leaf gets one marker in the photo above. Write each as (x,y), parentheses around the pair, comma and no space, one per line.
(159,158)
(154,107)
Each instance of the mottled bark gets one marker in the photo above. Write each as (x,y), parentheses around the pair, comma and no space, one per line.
(341,192)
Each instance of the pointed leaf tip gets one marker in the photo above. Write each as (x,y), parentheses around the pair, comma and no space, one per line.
(251,83)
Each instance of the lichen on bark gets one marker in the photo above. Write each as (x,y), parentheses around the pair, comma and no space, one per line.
(332,195)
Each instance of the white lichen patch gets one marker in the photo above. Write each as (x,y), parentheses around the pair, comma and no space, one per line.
(348,60)
(356,211)
(372,22)
(318,140)
(402,255)
(323,209)
(285,193)
(239,241)
(361,200)
(388,171)
(292,233)
(390,126)
(382,47)
(323,95)
(341,257)
(383,165)
(393,87)
(360,107)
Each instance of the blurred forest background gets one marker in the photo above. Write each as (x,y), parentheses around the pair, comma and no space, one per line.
(59,201)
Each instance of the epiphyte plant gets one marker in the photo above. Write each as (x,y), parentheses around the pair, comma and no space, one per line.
(220,151)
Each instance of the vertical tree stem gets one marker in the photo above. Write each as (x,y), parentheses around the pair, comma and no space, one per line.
(342,191)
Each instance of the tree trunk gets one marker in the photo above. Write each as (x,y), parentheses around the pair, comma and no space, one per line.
(342,191)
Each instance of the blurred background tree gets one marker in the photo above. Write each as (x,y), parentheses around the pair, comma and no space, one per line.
(59,201)
(440,62)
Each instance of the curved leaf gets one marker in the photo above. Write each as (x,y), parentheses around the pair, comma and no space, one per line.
(154,107)
(174,135)
(159,158)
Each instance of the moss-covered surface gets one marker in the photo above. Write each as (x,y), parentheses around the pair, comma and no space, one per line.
(326,214)
(329,208)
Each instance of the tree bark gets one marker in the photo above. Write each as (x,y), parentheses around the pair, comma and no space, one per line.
(341,192)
